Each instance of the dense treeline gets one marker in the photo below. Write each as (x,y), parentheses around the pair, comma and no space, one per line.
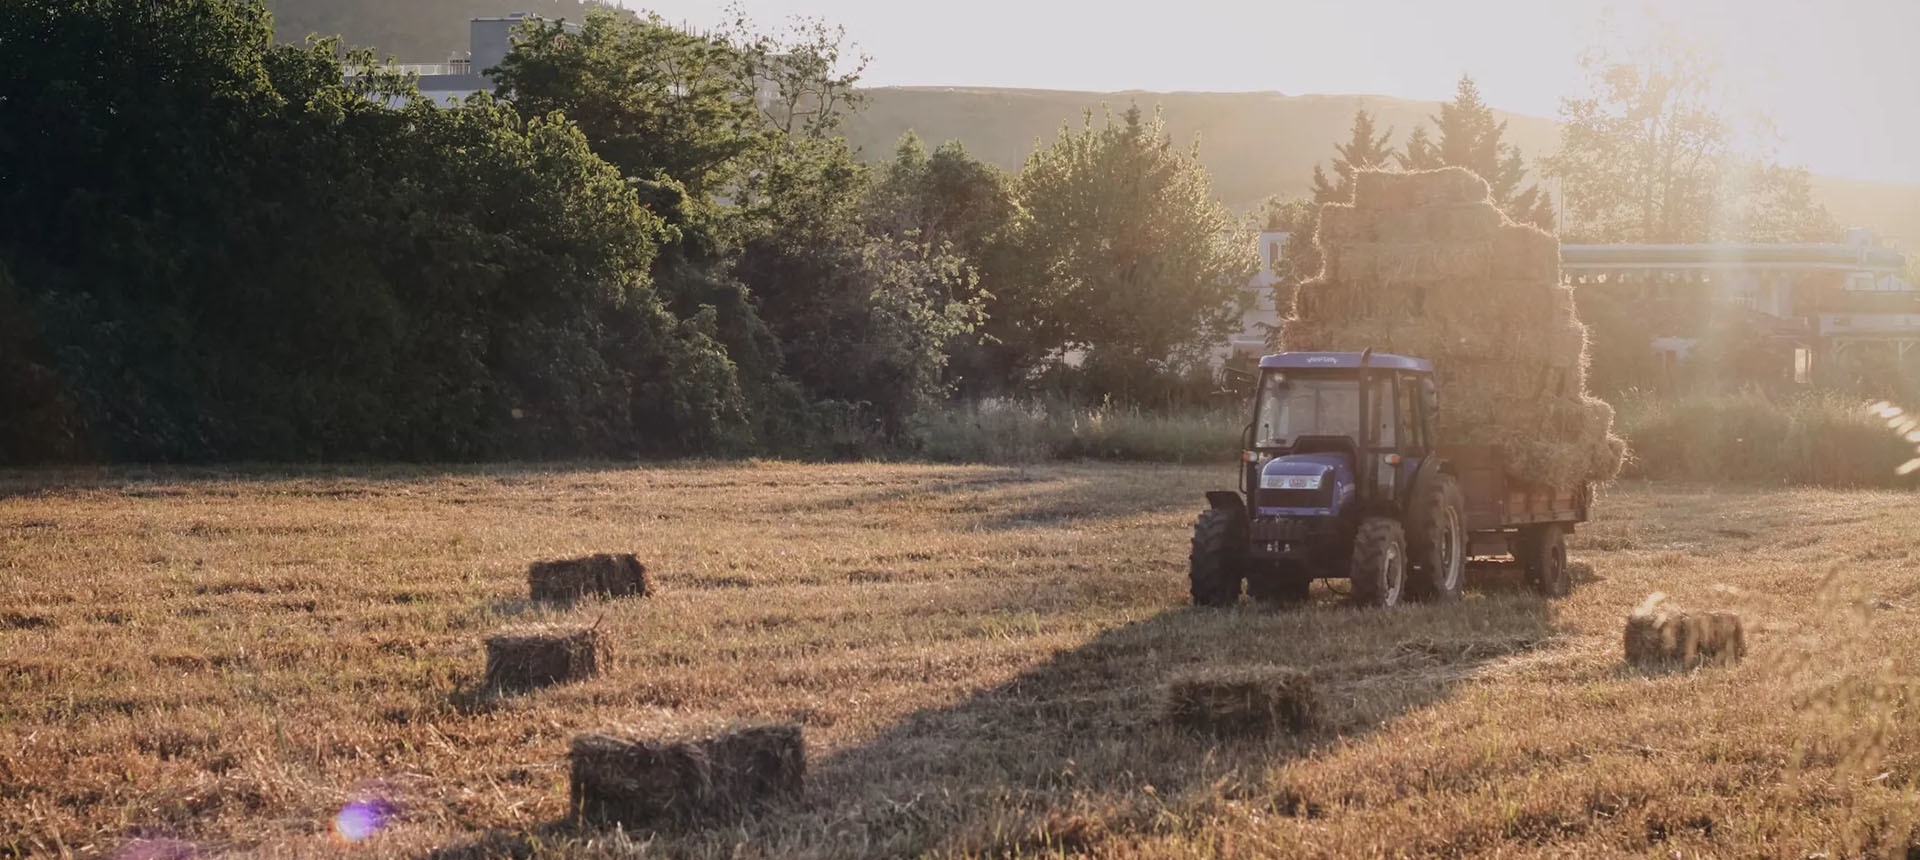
(213,245)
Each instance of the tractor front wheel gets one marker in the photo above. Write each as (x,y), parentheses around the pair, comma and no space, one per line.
(1379,570)
(1216,566)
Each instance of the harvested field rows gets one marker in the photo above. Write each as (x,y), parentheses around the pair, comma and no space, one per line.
(225,661)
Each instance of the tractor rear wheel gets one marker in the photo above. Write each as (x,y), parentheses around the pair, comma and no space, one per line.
(1279,585)
(1216,565)
(1437,541)
(1379,571)
(1542,550)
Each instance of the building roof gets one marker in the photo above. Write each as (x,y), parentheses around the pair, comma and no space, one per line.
(1336,360)
(1727,255)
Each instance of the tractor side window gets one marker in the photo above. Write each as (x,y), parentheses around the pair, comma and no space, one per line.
(1385,418)
(1409,417)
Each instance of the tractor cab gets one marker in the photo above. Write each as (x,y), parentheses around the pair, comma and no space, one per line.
(1332,431)
(1338,480)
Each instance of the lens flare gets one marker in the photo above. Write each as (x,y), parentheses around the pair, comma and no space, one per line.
(361,819)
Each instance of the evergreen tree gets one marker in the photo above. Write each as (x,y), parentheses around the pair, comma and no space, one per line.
(1363,150)
(1470,138)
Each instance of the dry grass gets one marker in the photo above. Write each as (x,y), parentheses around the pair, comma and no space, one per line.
(226,661)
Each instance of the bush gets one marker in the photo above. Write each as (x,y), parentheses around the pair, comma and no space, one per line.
(1010,431)
(1818,439)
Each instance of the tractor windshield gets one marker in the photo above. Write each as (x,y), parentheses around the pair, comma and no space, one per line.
(1292,406)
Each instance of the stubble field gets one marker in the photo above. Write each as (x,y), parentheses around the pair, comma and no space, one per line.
(207,664)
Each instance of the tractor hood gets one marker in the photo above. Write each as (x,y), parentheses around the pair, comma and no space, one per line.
(1317,484)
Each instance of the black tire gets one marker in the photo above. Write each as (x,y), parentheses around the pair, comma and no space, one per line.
(1437,541)
(1379,570)
(1279,586)
(1542,551)
(1215,568)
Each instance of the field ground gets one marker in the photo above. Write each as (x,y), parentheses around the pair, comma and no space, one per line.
(222,660)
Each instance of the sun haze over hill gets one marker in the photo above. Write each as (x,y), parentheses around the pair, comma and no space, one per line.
(1256,144)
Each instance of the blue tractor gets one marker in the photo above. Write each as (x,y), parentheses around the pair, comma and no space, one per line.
(1342,478)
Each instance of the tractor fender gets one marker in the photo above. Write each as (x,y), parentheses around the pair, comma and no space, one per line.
(1401,505)
(1430,466)
(1226,500)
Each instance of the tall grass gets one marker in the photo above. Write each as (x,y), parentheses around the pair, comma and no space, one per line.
(1811,439)
(1009,431)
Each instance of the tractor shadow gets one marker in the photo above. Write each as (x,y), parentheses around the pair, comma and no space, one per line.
(1072,750)
(1074,747)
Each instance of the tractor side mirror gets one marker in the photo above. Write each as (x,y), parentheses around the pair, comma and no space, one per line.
(1430,394)
(1246,437)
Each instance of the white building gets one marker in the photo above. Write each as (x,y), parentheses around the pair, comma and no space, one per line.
(1826,301)
(1262,317)
(489,40)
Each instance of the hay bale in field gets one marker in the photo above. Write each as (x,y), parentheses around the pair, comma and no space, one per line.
(755,763)
(1659,633)
(1241,701)
(619,779)
(528,658)
(567,580)
(637,783)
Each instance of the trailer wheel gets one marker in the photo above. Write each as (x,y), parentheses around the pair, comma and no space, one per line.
(1279,586)
(1379,570)
(1437,541)
(1215,568)
(1543,552)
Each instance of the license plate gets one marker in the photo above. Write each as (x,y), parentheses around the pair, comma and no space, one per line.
(1290,482)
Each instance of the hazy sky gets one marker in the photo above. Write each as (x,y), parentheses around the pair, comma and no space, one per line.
(1841,78)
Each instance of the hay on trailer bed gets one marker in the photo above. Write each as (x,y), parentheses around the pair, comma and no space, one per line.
(527,658)
(637,782)
(1661,634)
(605,575)
(1241,701)
(1425,264)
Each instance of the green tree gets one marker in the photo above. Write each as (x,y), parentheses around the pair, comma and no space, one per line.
(1471,138)
(1642,151)
(1132,257)
(1298,217)
(968,205)
(948,196)
(660,104)
(314,273)
(1648,156)
(1363,150)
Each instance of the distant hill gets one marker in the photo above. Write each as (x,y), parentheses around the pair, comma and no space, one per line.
(1256,144)
(410,31)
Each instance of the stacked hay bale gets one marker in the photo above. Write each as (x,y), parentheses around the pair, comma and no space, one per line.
(567,580)
(1660,633)
(1241,701)
(531,657)
(1424,264)
(637,782)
